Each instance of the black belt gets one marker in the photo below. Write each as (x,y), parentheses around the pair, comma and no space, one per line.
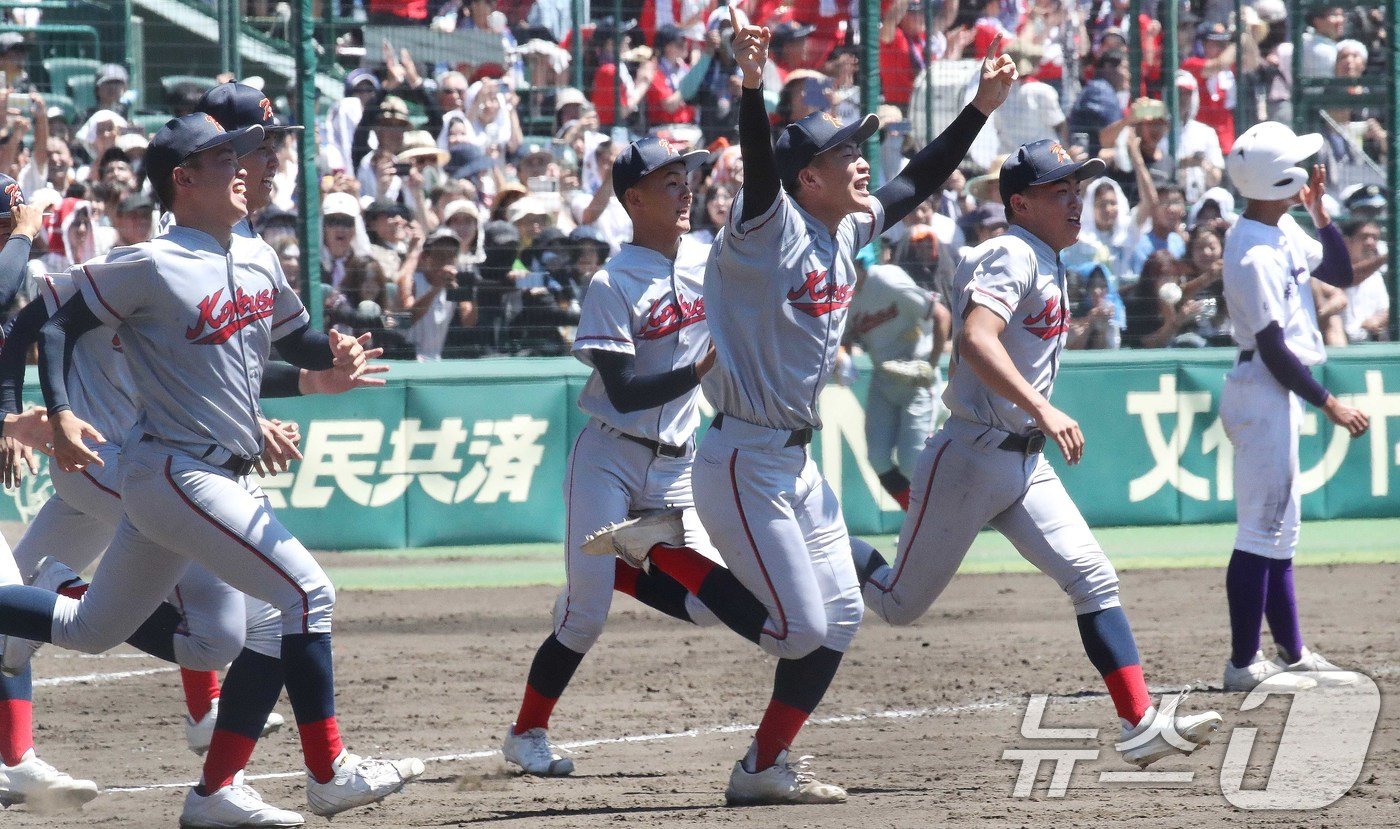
(239,466)
(661,450)
(1246,355)
(798,437)
(1025,444)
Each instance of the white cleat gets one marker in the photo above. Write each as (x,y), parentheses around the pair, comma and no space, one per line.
(917,373)
(532,752)
(1162,734)
(42,787)
(233,807)
(359,781)
(1318,669)
(49,574)
(632,540)
(198,734)
(779,784)
(1261,672)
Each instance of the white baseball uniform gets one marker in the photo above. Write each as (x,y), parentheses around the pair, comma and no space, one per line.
(195,322)
(1266,275)
(965,480)
(643,304)
(76,524)
(892,319)
(778,289)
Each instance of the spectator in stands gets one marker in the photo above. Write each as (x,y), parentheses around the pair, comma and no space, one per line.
(351,276)
(712,84)
(1156,310)
(451,97)
(787,52)
(595,204)
(988,221)
(71,240)
(1365,201)
(396,12)
(903,38)
(134,219)
(664,102)
(531,215)
(289,257)
(14,58)
(497,298)
(1325,26)
(804,93)
(98,135)
(842,67)
(1214,209)
(612,83)
(112,82)
(435,303)
(1330,305)
(1356,144)
(1209,323)
(419,168)
(492,122)
(711,212)
(1214,72)
(342,125)
(464,219)
(1103,99)
(1106,233)
(377,173)
(548,311)
(989,25)
(1199,160)
(395,241)
(1032,111)
(590,252)
(1367,315)
(481,15)
(1092,323)
(1137,144)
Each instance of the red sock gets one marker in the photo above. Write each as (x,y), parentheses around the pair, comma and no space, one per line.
(320,746)
(902,498)
(201,689)
(1129,692)
(625,577)
(682,564)
(16,729)
(228,755)
(779,728)
(73,589)
(535,709)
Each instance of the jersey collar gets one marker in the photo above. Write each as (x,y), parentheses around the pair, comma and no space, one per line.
(195,239)
(1043,251)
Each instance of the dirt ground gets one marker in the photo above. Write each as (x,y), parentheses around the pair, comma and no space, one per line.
(914,726)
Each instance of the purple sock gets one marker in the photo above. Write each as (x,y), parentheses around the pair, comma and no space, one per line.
(1281,608)
(1246,587)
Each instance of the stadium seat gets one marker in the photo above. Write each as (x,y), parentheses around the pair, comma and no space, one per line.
(60,70)
(63,102)
(150,122)
(83,88)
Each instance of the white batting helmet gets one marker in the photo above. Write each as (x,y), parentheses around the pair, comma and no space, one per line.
(1264,162)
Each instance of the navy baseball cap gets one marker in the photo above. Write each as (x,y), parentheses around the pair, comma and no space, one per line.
(236,105)
(1041,162)
(182,137)
(10,195)
(804,140)
(646,156)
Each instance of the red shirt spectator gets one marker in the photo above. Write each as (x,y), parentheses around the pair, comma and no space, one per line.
(602,93)
(658,92)
(409,10)
(1215,94)
(900,62)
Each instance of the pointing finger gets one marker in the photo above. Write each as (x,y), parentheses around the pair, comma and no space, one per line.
(734,20)
(994,51)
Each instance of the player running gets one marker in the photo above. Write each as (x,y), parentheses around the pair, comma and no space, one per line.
(197,310)
(644,333)
(777,290)
(1268,262)
(986,467)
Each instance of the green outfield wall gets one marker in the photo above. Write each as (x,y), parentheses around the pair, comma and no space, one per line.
(474,452)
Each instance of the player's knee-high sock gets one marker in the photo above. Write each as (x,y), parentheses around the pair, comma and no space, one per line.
(254,683)
(655,590)
(550,672)
(1108,640)
(310,678)
(897,486)
(16,717)
(1281,607)
(798,686)
(201,689)
(27,612)
(1246,589)
(156,636)
(715,587)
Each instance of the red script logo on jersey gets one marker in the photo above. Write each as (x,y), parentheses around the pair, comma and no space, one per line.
(222,319)
(867,322)
(826,296)
(666,317)
(1050,322)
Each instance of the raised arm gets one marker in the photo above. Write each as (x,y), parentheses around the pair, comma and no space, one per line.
(927,170)
(761,185)
(1335,268)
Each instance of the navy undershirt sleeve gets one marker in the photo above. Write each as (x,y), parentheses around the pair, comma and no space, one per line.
(22,332)
(628,392)
(14,265)
(928,169)
(307,348)
(278,380)
(57,338)
(1284,365)
(1335,268)
(761,183)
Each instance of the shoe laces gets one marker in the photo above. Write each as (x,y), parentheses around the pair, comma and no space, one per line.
(801,771)
(540,749)
(375,771)
(42,768)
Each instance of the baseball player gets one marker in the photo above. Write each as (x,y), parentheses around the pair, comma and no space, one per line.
(644,333)
(985,466)
(1268,262)
(778,288)
(897,323)
(197,310)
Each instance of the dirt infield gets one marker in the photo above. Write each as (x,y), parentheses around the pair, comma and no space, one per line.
(922,714)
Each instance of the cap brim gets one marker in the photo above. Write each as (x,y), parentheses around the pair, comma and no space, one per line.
(852,134)
(283,128)
(1091,168)
(244,141)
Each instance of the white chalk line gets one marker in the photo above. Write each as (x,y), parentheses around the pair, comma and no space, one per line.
(732,728)
(47,682)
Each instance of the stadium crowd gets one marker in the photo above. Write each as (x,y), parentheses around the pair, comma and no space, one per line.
(448,231)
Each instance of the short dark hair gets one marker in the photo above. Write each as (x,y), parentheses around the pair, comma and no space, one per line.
(1164,190)
(1353,226)
(1111,56)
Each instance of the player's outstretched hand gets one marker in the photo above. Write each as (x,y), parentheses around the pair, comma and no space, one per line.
(280,441)
(1350,418)
(998,76)
(1063,429)
(750,50)
(336,381)
(1312,194)
(23,434)
(349,353)
(69,451)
